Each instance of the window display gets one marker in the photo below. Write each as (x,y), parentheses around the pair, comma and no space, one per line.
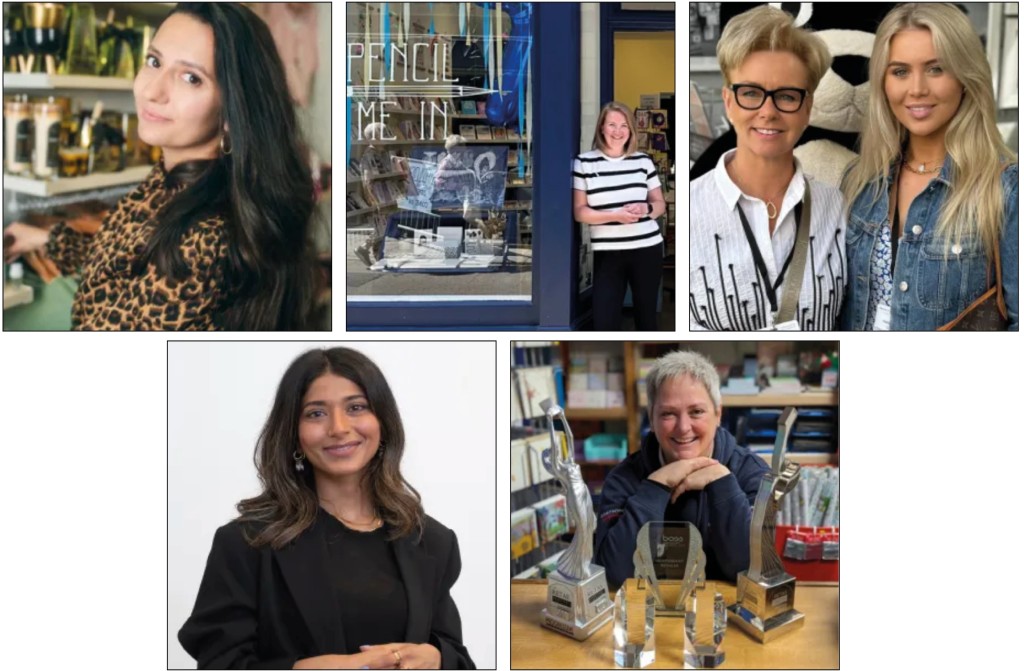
(439,181)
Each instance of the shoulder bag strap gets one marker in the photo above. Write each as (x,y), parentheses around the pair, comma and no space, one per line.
(1000,303)
(795,276)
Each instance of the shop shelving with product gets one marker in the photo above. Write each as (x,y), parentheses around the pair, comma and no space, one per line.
(432,119)
(84,92)
(808,398)
(26,195)
(535,376)
(377,171)
(541,369)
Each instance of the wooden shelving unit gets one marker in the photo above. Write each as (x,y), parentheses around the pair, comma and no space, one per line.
(632,412)
(54,187)
(590,414)
(115,92)
(43,82)
(803,399)
(627,413)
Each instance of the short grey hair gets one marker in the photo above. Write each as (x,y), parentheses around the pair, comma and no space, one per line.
(675,364)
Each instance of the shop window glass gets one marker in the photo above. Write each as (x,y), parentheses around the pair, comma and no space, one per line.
(439,183)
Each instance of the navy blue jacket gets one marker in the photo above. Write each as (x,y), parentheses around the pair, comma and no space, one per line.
(721,511)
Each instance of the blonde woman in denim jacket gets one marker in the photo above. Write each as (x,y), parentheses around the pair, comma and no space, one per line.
(931,141)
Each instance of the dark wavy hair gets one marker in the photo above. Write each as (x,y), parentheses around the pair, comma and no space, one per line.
(263,188)
(288,504)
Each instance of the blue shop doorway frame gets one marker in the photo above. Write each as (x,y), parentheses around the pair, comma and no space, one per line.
(556,133)
(614,19)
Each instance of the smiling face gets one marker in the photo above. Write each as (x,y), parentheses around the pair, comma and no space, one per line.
(177,96)
(685,419)
(615,131)
(338,432)
(922,94)
(767,132)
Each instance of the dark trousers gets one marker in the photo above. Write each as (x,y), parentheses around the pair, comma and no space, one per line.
(641,268)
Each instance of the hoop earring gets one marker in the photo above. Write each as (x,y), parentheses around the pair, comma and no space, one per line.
(299,458)
(224,151)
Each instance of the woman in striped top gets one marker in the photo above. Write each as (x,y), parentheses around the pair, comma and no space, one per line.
(617,192)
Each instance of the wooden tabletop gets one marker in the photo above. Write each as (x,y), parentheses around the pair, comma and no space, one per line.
(815,645)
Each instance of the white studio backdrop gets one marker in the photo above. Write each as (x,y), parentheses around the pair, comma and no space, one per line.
(218,397)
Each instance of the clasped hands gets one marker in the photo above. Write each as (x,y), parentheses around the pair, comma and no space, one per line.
(689,474)
(386,656)
(633,212)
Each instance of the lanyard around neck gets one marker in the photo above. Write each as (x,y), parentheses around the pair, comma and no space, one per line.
(762,269)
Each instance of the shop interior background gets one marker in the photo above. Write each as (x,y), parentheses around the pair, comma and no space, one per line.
(42,300)
(517,262)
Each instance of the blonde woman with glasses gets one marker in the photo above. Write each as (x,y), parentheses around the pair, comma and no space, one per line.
(933,196)
(766,241)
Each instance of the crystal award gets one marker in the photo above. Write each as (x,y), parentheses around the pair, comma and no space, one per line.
(577,603)
(705,627)
(668,563)
(765,593)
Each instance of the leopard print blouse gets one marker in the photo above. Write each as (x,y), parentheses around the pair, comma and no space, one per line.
(111,297)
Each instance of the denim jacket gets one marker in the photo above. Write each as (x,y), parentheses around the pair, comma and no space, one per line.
(929,289)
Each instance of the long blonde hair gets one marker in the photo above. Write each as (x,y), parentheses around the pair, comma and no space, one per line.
(624,111)
(978,153)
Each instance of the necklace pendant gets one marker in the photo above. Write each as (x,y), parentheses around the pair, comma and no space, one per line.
(920,170)
(772,212)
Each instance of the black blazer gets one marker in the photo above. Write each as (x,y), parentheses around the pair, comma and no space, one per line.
(260,608)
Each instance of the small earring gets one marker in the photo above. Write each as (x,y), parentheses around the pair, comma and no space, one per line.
(380,449)
(299,458)
(229,147)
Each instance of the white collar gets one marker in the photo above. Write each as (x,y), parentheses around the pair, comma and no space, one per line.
(731,193)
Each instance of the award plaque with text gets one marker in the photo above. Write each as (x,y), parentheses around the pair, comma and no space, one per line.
(765,593)
(668,563)
(577,603)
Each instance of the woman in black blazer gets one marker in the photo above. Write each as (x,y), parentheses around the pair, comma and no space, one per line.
(334,565)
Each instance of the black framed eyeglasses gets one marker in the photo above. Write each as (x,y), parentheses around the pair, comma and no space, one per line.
(752,97)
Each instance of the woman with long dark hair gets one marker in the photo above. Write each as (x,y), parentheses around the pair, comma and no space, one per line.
(218,235)
(335,564)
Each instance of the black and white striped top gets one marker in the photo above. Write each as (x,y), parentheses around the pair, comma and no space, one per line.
(611,184)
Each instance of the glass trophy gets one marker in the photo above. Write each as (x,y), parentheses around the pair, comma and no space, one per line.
(577,603)
(765,593)
(705,627)
(668,562)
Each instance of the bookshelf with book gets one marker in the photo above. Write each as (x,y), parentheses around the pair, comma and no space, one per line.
(653,119)
(759,379)
(539,525)
(383,127)
(448,214)
(602,386)
(593,382)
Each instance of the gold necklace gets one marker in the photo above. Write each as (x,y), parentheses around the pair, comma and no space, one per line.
(376,521)
(921,168)
(772,210)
